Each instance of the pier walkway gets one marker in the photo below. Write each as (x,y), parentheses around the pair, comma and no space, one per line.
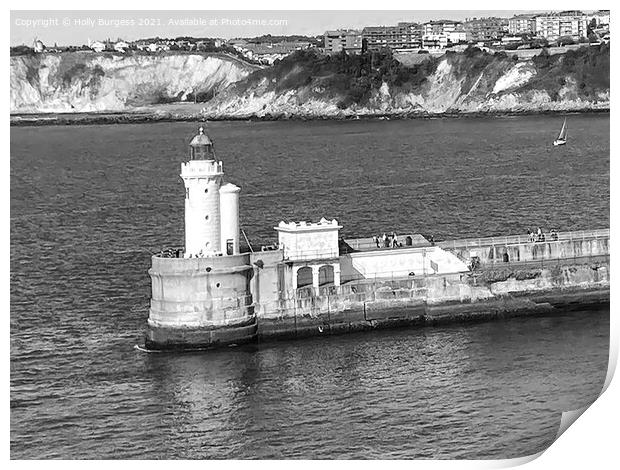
(523,239)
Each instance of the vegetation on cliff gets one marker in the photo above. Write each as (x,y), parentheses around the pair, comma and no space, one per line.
(588,67)
(354,79)
(350,77)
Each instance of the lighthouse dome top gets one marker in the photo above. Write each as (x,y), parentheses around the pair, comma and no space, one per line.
(201,147)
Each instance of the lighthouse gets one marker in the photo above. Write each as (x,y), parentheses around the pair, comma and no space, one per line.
(203,299)
(211,206)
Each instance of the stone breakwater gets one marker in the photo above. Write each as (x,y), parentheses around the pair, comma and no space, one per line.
(486,295)
(491,293)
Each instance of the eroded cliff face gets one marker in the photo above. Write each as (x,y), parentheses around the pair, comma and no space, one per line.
(86,82)
(453,87)
(229,88)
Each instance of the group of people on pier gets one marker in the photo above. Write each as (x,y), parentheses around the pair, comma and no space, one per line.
(387,240)
(539,235)
(171,253)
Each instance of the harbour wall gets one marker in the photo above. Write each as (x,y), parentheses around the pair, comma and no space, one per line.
(430,300)
(215,301)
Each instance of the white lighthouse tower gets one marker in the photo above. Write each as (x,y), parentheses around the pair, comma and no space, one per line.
(211,207)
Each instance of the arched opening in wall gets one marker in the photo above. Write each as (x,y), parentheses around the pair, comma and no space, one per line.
(408,241)
(304,276)
(326,275)
(506,257)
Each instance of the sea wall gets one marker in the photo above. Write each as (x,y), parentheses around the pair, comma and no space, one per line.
(215,301)
(489,294)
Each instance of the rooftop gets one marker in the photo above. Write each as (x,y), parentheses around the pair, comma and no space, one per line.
(322,224)
(201,139)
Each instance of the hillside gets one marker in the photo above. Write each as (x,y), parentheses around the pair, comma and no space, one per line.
(306,84)
(309,85)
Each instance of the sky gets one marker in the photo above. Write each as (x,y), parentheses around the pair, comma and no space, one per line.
(72,27)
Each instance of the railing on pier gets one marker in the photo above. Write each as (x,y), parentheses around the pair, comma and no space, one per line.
(523,239)
(404,241)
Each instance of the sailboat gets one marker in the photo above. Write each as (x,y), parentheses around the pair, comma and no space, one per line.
(561,140)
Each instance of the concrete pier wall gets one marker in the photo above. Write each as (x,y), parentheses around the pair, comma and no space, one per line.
(365,305)
(515,249)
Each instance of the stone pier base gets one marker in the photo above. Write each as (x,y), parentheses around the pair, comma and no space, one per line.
(363,318)
(197,338)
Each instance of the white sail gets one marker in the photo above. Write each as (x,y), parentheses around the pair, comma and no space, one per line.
(562,135)
(561,140)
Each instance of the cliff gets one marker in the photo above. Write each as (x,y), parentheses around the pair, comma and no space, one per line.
(87,82)
(309,85)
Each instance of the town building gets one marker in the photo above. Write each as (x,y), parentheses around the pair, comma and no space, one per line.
(121,46)
(485,29)
(442,33)
(339,40)
(97,46)
(403,36)
(552,26)
(434,41)
(269,52)
(522,25)
(442,27)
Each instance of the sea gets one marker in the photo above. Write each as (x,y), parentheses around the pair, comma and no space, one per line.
(90,204)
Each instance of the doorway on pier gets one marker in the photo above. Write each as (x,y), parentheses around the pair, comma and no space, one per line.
(304,277)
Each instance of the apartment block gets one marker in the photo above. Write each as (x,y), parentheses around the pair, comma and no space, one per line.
(403,36)
(553,26)
(521,25)
(349,41)
(485,29)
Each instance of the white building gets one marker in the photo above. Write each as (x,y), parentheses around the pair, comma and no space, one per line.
(443,33)
(457,36)
(97,46)
(434,41)
(522,25)
(441,27)
(211,206)
(312,248)
(121,46)
(553,26)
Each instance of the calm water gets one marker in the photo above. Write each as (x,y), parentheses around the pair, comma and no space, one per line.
(89,203)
